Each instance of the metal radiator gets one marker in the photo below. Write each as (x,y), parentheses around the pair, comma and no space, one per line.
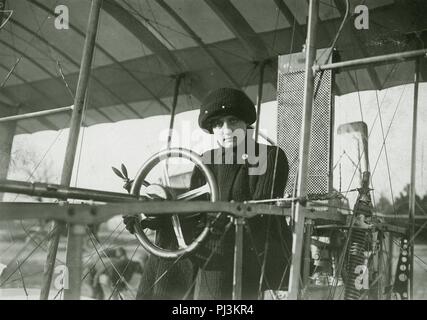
(290,93)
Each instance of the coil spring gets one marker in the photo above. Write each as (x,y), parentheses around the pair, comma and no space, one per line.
(355,258)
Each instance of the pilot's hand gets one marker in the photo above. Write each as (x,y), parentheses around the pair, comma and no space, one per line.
(152,192)
(129,221)
(153,223)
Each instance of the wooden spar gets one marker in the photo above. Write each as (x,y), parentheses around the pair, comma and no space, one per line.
(50,190)
(35,114)
(238,258)
(97,213)
(7,132)
(74,251)
(298,232)
(387,58)
(259,98)
(412,189)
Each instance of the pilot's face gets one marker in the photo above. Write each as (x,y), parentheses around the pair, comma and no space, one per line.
(228,130)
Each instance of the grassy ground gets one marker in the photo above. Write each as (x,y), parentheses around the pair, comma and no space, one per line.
(29,276)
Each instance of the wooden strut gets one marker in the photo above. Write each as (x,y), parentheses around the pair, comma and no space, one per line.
(387,58)
(259,97)
(413,180)
(298,232)
(98,213)
(35,114)
(75,232)
(239,224)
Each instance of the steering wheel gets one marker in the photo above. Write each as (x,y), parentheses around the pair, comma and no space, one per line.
(210,187)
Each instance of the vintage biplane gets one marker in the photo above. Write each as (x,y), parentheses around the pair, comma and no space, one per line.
(140,58)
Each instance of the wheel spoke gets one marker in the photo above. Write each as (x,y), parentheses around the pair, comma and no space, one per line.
(194,193)
(178,232)
(210,188)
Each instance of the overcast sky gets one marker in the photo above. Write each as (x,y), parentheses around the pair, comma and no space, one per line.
(131,142)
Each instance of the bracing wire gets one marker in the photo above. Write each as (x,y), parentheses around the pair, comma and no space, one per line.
(107,244)
(51,54)
(385,147)
(124,270)
(393,69)
(59,132)
(61,73)
(9,74)
(42,159)
(164,273)
(262,278)
(221,239)
(27,257)
(22,279)
(40,25)
(162,25)
(103,244)
(258,254)
(49,59)
(389,127)
(248,76)
(166,86)
(334,41)
(358,96)
(98,251)
(151,24)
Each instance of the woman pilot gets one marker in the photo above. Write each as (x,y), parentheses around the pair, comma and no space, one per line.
(244,170)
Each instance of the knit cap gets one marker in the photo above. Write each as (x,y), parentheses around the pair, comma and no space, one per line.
(226,101)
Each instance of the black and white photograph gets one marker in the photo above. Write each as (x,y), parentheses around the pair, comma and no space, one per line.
(215,155)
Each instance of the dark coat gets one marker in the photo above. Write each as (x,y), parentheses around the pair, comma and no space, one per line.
(236,183)
(212,263)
